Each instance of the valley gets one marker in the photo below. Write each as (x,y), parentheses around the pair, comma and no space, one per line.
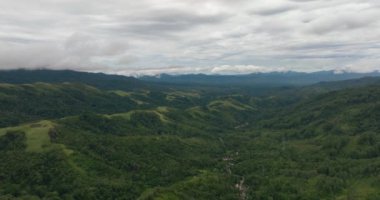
(80,140)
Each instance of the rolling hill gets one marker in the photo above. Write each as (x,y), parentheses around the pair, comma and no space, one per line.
(75,140)
(99,80)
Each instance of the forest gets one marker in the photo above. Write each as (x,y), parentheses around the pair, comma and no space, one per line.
(95,136)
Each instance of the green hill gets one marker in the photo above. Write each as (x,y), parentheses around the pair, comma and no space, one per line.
(99,80)
(78,141)
(28,102)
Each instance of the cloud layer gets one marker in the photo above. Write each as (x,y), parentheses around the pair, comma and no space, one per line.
(190,36)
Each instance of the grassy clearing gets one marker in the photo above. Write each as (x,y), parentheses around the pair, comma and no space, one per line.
(121,93)
(137,101)
(160,112)
(196,112)
(214,105)
(7,86)
(129,95)
(187,188)
(162,109)
(126,115)
(2,132)
(45,86)
(170,96)
(65,150)
(37,135)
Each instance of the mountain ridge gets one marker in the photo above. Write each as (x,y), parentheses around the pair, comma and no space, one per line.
(100,80)
(271,79)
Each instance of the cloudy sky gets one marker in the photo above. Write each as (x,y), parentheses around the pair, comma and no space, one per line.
(190,36)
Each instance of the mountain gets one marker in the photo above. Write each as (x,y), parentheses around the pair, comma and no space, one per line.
(323,147)
(100,80)
(73,140)
(259,82)
(28,102)
(273,79)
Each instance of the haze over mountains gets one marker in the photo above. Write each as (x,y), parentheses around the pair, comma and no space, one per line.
(259,79)
(270,79)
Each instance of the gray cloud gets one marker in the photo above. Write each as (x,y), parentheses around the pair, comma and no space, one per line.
(160,23)
(209,36)
(274,10)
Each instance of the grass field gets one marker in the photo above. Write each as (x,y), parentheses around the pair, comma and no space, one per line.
(37,134)
(228,104)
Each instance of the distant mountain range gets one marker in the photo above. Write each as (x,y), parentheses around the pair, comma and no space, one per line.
(259,79)
(106,81)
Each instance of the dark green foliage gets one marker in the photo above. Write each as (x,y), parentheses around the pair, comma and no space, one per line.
(12,141)
(99,80)
(20,103)
(317,142)
(148,120)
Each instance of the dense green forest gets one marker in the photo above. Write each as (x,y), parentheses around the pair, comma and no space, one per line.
(110,137)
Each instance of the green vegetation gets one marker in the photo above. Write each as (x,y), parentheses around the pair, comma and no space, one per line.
(36,134)
(74,141)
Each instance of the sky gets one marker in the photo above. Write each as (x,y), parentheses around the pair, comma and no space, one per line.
(148,37)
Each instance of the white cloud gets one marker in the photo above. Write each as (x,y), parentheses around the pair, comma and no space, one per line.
(150,36)
(242,69)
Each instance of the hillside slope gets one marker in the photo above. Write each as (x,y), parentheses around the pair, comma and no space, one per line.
(99,80)
(75,141)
